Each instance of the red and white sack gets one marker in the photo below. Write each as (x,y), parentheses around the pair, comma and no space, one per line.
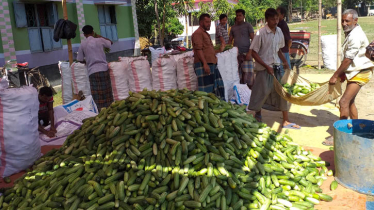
(19,136)
(80,79)
(139,75)
(186,76)
(164,74)
(119,79)
(65,71)
(182,55)
(128,60)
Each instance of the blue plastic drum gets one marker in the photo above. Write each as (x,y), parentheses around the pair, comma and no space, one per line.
(354,154)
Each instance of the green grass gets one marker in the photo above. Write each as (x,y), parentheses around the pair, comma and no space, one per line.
(329,27)
(57,99)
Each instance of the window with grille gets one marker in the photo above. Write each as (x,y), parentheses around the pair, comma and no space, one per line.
(108,22)
(39,19)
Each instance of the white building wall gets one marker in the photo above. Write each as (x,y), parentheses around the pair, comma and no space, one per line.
(192,29)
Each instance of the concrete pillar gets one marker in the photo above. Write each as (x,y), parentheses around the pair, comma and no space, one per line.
(135,23)
(81,19)
(6,32)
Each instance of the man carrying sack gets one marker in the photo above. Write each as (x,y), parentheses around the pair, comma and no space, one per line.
(266,50)
(208,77)
(356,68)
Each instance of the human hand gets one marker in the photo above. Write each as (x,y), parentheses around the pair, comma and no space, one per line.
(206,69)
(333,80)
(53,129)
(270,70)
(342,77)
(50,134)
(248,57)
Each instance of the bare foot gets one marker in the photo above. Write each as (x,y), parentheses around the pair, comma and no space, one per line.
(290,125)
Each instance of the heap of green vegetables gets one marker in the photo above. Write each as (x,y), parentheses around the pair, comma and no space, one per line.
(300,89)
(172,150)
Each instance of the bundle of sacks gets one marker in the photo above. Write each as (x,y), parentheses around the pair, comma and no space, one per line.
(135,73)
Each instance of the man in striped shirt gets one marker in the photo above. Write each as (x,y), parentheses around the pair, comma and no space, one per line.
(222,36)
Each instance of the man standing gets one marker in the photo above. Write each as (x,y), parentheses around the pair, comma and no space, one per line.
(355,67)
(222,37)
(241,33)
(92,51)
(266,50)
(287,36)
(208,77)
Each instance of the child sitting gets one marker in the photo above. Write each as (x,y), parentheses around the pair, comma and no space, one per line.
(46,114)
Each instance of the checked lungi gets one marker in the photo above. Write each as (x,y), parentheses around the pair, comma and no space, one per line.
(212,83)
(246,72)
(101,89)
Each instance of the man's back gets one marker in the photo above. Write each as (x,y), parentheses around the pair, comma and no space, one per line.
(240,33)
(92,49)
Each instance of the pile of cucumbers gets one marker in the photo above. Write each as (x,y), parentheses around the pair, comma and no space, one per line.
(172,150)
(298,90)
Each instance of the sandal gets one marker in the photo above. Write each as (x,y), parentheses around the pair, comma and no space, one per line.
(292,126)
(329,141)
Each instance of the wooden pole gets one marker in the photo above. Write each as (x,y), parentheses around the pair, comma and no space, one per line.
(319,32)
(339,40)
(70,49)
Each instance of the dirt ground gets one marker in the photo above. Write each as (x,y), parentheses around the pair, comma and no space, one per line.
(316,123)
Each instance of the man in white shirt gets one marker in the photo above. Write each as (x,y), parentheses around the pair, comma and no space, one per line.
(355,67)
(266,50)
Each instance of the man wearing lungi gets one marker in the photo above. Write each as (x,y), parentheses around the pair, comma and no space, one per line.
(266,50)
(242,33)
(208,77)
(92,51)
(356,68)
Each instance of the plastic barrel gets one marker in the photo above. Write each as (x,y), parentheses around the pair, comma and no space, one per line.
(354,155)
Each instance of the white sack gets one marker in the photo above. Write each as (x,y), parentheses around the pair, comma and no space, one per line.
(4,83)
(164,74)
(119,79)
(67,91)
(329,56)
(242,94)
(228,67)
(139,75)
(80,79)
(19,136)
(156,53)
(186,76)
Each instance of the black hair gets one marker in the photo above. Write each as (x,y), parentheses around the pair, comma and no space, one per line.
(282,10)
(203,16)
(47,91)
(271,12)
(222,16)
(87,29)
(240,11)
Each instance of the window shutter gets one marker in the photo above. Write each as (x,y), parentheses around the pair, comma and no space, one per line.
(47,39)
(20,14)
(114,33)
(107,15)
(35,40)
(55,45)
(100,10)
(108,30)
(52,13)
(102,29)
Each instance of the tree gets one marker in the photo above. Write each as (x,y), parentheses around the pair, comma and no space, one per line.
(182,7)
(157,18)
